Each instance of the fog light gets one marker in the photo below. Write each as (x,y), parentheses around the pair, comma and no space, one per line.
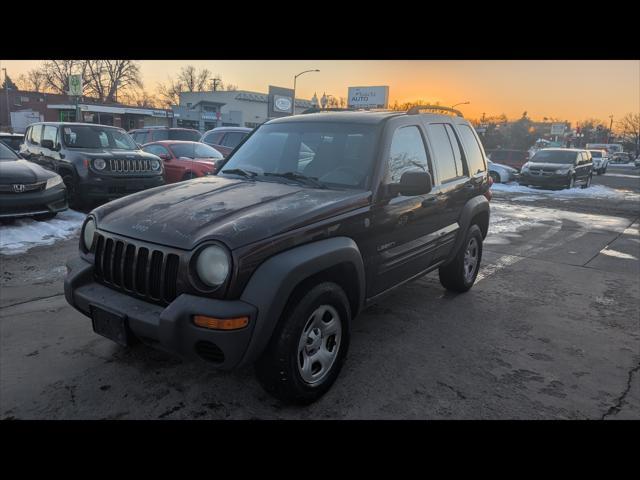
(220,323)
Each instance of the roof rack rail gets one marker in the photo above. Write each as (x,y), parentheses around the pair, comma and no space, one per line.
(332,109)
(415,110)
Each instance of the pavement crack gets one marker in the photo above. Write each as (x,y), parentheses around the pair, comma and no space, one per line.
(615,409)
(32,300)
(585,264)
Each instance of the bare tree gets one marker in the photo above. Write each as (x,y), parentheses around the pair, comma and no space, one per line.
(55,74)
(107,78)
(230,87)
(629,128)
(33,81)
(192,80)
(216,83)
(189,79)
(169,93)
(140,98)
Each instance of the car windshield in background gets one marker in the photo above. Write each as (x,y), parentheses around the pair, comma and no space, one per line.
(596,153)
(330,154)
(554,156)
(195,150)
(85,136)
(13,141)
(188,135)
(6,153)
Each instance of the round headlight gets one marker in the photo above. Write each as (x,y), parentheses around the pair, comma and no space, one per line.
(212,266)
(155,164)
(99,164)
(87,234)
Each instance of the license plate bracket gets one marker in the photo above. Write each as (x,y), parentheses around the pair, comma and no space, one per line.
(110,325)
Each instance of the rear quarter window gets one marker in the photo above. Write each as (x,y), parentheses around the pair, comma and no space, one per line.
(475,160)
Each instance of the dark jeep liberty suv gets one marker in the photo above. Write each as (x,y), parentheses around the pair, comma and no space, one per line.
(312,218)
(96,162)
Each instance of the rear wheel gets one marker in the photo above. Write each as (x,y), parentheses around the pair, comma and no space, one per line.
(461,273)
(307,349)
(187,176)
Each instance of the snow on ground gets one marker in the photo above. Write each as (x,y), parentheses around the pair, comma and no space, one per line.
(594,191)
(26,233)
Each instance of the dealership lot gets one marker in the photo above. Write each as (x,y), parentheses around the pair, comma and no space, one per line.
(551,330)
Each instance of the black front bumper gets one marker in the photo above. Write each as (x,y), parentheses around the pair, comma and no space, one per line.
(168,328)
(114,187)
(14,205)
(544,180)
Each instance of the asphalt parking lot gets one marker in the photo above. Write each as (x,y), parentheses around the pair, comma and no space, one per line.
(551,330)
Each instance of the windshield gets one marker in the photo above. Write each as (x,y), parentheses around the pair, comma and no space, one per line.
(334,154)
(195,150)
(596,153)
(188,135)
(13,141)
(85,136)
(6,153)
(554,156)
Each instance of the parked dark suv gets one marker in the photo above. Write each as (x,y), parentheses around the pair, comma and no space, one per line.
(225,139)
(312,218)
(558,167)
(157,134)
(96,162)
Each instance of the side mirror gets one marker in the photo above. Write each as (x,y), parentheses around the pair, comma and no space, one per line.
(412,183)
(47,144)
(165,156)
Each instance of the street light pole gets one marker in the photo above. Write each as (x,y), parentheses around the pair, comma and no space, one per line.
(295,77)
(6,92)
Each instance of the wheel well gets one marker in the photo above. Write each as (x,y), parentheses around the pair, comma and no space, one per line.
(482,220)
(64,170)
(343,274)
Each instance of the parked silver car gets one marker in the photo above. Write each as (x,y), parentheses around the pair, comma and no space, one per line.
(502,173)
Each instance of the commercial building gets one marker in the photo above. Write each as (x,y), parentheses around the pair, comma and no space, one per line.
(206,110)
(29,107)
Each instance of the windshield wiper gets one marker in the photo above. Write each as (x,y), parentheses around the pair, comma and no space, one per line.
(240,171)
(299,177)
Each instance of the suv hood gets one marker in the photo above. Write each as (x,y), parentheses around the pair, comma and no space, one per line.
(550,166)
(235,212)
(106,153)
(22,171)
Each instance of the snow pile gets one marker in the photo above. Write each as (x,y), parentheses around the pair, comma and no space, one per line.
(594,191)
(26,233)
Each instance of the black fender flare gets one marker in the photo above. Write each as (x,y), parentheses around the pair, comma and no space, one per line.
(478,204)
(274,281)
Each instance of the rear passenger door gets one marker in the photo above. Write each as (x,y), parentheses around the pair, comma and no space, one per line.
(453,184)
(50,158)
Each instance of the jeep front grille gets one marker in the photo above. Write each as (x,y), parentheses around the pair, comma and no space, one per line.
(130,165)
(140,271)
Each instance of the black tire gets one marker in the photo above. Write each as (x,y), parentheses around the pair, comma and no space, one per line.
(588,182)
(572,182)
(452,275)
(495,177)
(45,216)
(73,192)
(187,176)
(278,368)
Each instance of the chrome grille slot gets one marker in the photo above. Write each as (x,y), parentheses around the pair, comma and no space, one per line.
(129,165)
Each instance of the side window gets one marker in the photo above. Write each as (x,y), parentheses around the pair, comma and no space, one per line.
(50,133)
(472,150)
(232,139)
(216,137)
(159,135)
(407,152)
(443,154)
(461,166)
(36,133)
(155,149)
(27,135)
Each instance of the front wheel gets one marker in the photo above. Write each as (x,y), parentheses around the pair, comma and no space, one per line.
(572,183)
(73,192)
(308,348)
(461,273)
(587,183)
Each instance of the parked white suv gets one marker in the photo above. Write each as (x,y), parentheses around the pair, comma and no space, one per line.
(600,161)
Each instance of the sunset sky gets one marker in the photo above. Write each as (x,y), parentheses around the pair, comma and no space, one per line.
(571,90)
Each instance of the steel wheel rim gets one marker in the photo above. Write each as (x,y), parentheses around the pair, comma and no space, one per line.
(319,344)
(471,259)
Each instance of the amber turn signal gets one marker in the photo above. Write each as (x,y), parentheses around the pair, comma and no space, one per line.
(220,323)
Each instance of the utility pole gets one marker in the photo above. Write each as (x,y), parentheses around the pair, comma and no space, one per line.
(610,132)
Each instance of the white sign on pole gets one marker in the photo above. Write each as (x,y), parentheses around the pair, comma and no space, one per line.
(557,128)
(75,85)
(368,97)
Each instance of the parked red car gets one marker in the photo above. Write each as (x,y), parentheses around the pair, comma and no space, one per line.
(185,160)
